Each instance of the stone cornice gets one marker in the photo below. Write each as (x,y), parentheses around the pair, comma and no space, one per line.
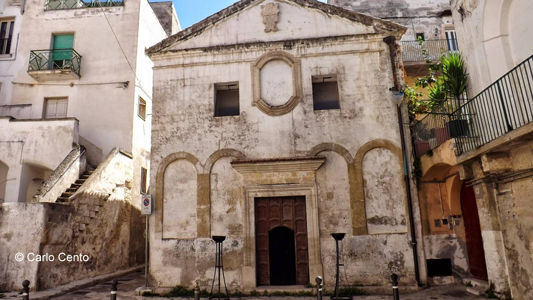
(293,164)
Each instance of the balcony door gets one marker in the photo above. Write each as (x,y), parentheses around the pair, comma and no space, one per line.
(62,51)
(451,40)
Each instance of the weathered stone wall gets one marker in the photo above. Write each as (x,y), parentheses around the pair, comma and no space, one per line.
(199,192)
(101,221)
(514,209)
(492,37)
(27,144)
(22,226)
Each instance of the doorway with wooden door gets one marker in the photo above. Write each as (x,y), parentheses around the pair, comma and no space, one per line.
(474,240)
(281,241)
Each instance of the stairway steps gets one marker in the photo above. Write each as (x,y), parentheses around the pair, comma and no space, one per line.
(67,194)
(62,199)
(72,190)
(80,181)
(84,176)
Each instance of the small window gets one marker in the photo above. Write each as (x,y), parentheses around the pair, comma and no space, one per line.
(144,177)
(55,108)
(227,99)
(325,92)
(420,36)
(142,108)
(6,35)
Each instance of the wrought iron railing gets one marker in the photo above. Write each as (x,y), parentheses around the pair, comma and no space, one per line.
(413,51)
(5,46)
(436,127)
(506,105)
(72,4)
(55,59)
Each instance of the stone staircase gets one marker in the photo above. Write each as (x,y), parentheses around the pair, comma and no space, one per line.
(64,198)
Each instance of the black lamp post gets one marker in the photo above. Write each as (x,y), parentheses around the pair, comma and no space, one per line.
(338,237)
(219,266)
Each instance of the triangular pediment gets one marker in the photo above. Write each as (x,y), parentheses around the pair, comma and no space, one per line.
(253,21)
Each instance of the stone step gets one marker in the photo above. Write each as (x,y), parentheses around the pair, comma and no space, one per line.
(75,186)
(72,190)
(476,283)
(475,290)
(62,199)
(89,172)
(67,194)
(84,176)
(80,181)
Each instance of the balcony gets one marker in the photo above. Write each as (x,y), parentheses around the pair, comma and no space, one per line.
(417,51)
(437,127)
(74,4)
(500,117)
(55,64)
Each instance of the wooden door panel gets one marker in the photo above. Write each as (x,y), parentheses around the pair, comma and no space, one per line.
(273,212)
(474,240)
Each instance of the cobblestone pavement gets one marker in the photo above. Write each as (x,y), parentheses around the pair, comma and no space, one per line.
(129,283)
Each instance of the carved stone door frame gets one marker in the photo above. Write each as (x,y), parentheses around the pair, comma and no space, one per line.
(280,190)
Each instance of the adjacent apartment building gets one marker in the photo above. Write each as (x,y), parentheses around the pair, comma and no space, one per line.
(429,21)
(75,115)
(274,125)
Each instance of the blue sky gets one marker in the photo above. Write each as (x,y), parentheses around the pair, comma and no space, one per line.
(192,11)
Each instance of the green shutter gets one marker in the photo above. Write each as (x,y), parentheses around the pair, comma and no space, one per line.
(64,41)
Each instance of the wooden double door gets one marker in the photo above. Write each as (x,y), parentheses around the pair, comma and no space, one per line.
(281,241)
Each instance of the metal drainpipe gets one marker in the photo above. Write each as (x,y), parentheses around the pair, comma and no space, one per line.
(22,6)
(390,40)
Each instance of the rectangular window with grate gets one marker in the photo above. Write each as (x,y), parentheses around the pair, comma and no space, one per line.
(142,108)
(6,35)
(55,108)
(227,99)
(325,92)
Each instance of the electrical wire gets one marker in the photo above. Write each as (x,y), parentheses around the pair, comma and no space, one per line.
(122,49)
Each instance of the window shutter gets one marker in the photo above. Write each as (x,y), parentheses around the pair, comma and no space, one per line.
(64,41)
(56,108)
(61,111)
(50,109)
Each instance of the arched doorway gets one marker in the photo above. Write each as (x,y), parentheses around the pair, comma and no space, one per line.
(282,256)
(474,241)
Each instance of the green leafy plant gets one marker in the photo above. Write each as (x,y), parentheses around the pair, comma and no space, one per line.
(468,284)
(437,91)
(454,75)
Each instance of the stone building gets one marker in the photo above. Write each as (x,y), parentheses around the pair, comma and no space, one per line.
(478,179)
(75,133)
(430,21)
(275,124)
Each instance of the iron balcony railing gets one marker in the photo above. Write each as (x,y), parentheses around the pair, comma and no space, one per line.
(55,59)
(72,4)
(505,105)
(413,51)
(436,127)
(5,46)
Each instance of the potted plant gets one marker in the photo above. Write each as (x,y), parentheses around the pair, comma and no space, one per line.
(455,80)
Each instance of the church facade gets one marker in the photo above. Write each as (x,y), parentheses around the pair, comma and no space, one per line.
(275,124)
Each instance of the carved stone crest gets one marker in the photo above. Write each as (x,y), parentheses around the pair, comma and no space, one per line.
(270,13)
